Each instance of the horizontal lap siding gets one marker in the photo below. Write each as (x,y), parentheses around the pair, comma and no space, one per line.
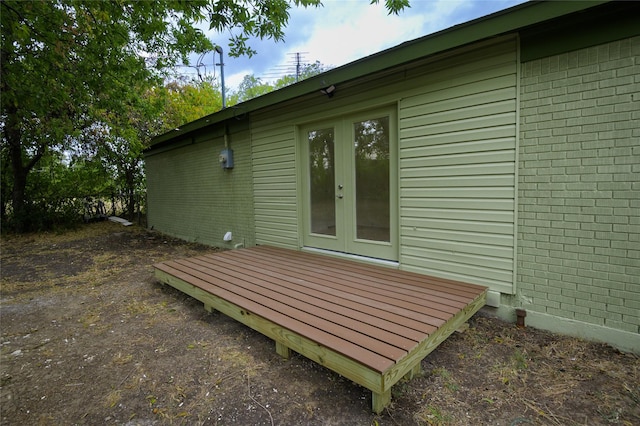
(274,183)
(457,169)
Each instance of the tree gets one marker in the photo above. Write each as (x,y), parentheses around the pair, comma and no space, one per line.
(307,71)
(252,86)
(186,101)
(65,62)
(155,111)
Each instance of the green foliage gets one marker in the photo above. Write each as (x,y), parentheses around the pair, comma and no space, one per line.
(70,67)
(435,416)
(260,18)
(64,63)
(252,86)
(183,102)
(394,6)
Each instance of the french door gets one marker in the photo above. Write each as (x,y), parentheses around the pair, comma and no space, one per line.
(349,189)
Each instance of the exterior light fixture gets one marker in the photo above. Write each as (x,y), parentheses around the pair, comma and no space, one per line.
(329,91)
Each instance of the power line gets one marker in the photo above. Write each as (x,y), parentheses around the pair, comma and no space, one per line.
(294,66)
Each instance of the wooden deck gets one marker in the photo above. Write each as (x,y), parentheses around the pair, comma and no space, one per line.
(371,324)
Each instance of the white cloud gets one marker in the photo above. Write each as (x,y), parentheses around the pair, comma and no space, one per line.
(352,30)
(343,31)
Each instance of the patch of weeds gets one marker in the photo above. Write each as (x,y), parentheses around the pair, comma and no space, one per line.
(113,398)
(513,370)
(441,372)
(488,401)
(519,360)
(105,260)
(239,360)
(121,359)
(447,379)
(197,344)
(506,374)
(90,320)
(610,416)
(141,307)
(434,416)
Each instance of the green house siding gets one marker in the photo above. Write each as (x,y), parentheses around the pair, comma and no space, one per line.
(457,142)
(457,168)
(274,183)
(579,177)
(191,197)
(517,161)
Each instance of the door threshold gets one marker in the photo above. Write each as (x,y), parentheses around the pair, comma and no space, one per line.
(355,257)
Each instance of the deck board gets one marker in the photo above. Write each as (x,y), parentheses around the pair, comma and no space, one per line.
(369,323)
(314,303)
(323,290)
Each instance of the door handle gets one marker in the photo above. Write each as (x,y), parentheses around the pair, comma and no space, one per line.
(339,196)
(340,186)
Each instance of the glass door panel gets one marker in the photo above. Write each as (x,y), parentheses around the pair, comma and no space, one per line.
(349,185)
(322,181)
(372,195)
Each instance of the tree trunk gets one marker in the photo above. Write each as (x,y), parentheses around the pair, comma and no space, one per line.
(19,177)
(131,189)
(20,171)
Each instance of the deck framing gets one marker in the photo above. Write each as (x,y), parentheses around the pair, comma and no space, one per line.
(213,280)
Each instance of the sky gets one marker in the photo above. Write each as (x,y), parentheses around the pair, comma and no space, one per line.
(340,32)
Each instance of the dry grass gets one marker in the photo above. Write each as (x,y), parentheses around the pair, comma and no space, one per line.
(99,339)
(548,379)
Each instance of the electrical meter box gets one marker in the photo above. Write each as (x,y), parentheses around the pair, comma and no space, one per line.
(226,159)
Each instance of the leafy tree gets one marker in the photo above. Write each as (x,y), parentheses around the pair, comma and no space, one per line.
(394,6)
(63,60)
(121,145)
(186,101)
(66,62)
(156,111)
(252,86)
(307,71)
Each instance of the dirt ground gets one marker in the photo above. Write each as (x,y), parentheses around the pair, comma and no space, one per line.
(89,337)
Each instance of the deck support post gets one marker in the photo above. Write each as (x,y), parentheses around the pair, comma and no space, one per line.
(416,371)
(209,308)
(380,400)
(283,350)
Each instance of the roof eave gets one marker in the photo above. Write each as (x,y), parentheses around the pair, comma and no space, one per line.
(505,21)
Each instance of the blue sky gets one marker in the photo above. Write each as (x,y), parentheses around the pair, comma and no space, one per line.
(342,31)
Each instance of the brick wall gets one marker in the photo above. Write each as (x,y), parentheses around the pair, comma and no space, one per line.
(579,186)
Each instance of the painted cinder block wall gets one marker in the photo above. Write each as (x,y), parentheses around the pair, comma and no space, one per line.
(191,197)
(578,251)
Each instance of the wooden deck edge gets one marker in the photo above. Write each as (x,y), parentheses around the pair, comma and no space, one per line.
(379,384)
(407,366)
(341,364)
